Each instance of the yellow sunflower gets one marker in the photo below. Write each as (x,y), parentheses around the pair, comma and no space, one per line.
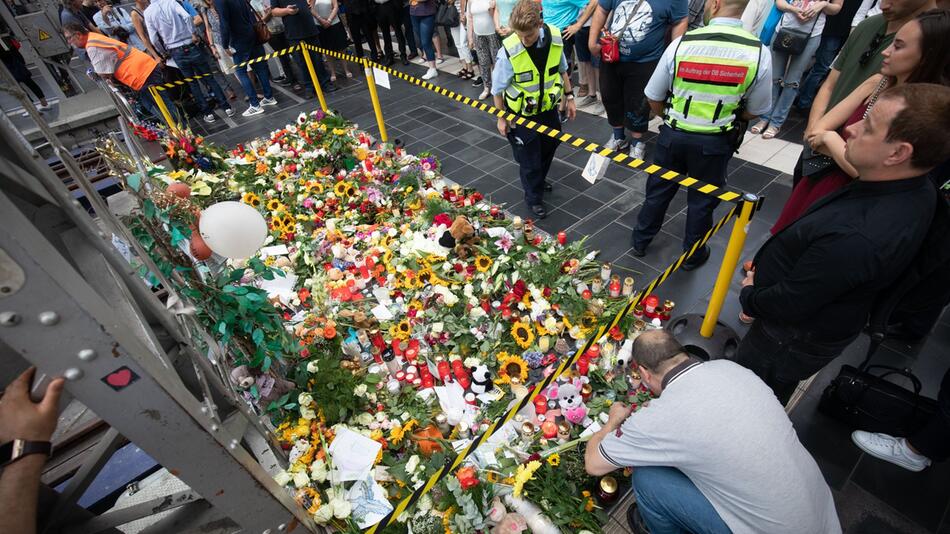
(523,334)
(511,365)
(554,460)
(251,199)
(415,304)
(274,205)
(340,188)
(315,188)
(289,221)
(424,277)
(401,330)
(482,263)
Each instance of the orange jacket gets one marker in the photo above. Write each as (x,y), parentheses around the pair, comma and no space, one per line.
(133,66)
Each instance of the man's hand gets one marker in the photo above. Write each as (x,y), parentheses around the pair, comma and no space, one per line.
(503,126)
(505,31)
(618,414)
(21,418)
(571,109)
(106,10)
(749,278)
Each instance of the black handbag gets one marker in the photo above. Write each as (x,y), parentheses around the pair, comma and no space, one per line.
(447,15)
(792,41)
(815,164)
(864,399)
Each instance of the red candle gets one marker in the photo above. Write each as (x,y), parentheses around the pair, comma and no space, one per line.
(586,294)
(583,366)
(470,398)
(410,377)
(411,353)
(593,352)
(562,237)
(549,429)
(444,372)
(494,211)
(464,381)
(540,405)
(397,350)
(428,382)
(401,376)
(650,302)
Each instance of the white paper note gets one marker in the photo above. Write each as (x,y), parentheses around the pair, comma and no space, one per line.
(281,287)
(382,313)
(276,250)
(352,454)
(382,77)
(369,502)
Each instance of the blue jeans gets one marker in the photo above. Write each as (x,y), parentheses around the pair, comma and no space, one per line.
(824,57)
(670,503)
(260,70)
(424,27)
(192,61)
(148,103)
(786,75)
(407,30)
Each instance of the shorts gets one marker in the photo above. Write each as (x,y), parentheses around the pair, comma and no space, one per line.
(580,45)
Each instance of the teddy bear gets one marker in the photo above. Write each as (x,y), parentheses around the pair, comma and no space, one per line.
(505,523)
(570,401)
(481,379)
(461,237)
(242,377)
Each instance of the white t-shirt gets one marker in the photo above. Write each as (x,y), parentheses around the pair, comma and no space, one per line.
(482,21)
(789,20)
(723,428)
(103,61)
(323,8)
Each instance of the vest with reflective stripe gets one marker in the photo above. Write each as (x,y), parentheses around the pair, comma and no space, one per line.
(132,67)
(525,95)
(713,68)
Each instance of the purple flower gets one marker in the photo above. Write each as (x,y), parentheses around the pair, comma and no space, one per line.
(308,202)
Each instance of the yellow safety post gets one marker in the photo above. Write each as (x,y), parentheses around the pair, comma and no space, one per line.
(371,80)
(162,107)
(729,263)
(313,76)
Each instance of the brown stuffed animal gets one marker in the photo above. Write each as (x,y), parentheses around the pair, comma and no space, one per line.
(461,237)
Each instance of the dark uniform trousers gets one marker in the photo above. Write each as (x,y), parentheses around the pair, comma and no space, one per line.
(699,156)
(534,153)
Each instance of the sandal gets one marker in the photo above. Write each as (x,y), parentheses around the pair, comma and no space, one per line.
(333,79)
(462,73)
(771,132)
(349,74)
(759,126)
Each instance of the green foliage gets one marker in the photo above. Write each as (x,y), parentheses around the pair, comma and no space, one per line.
(333,389)
(557,490)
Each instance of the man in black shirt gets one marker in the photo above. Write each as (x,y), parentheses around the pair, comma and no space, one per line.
(300,27)
(813,283)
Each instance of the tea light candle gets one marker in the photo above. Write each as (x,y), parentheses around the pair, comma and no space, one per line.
(527,429)
(401,376)
(596,285)
(607,489)
(470,398)
(411,377)
(562,237)
(627,286)
(412,369)
(464,432)
(417,382)
(563,431)
(605,272)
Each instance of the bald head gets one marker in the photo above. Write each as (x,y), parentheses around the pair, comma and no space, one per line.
(724,8)
(657,351)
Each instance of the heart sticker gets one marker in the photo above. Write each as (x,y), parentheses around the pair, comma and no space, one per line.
(120,379)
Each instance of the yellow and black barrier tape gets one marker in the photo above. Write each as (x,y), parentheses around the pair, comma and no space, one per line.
(539,387)
(622,158)
(265,57)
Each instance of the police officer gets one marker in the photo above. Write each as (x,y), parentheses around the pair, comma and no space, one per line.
(706,82)
(531,79)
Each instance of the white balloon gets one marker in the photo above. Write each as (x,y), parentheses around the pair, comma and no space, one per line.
(233,229)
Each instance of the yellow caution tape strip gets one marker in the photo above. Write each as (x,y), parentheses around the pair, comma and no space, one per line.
(539,387)
(265,57)
(622,158)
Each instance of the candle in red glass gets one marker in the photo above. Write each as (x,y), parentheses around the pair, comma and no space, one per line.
(444,372)
(494,211)
(562,237)
(549,429)
(540,404)
(377,338)
(396,348)
(401,376)
(583,366)
(411,353)
(410,377)
(650,302)
(428,382)
(593,352)
(586,294)
(464,381)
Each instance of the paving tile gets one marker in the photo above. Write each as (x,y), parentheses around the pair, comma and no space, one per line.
(629,265)
(775,196)
(488,184)
(861,513)
(469,154)
(628,201)
(575,180)
(615,527)
(582,206)
(488,161)
(556,221)
(750,179)
(507,195)
(593,223)
(560,194)
(612,241)
(492,144)
(922,497)
(450,165)
(607,191)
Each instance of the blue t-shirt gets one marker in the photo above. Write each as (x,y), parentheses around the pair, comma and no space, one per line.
(645,37)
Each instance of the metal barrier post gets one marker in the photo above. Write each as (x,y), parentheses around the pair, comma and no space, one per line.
(371,81)
(313,76)
(729,262)
(162,107)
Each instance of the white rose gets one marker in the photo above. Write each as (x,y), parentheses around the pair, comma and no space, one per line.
(472,361)
(304,399)
(412,464)
(312,367)
(318,471)
(283,478)
(360,390)
(301,479)
(323,514)
(341,508)
(365,419)
(425,503)
(307,413)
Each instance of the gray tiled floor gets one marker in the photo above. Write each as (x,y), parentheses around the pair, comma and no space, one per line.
(872,497)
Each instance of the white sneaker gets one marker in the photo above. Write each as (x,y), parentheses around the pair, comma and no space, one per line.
(484,94)
(209,118)
(229,112)
(587,101)
(596,109)
(252,110)
(431,73)
(618,145)
(268,102)
(41,107)
(638,149)
(890,449)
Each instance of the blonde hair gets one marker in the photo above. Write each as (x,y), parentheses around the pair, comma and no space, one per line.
(525,16)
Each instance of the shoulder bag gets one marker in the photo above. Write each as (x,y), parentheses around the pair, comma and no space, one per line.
(261,31)
(793,41)
(447,15)
(610,43)
(864,399)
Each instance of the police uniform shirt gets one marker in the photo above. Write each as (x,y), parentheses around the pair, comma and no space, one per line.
(758,99)
(503,72)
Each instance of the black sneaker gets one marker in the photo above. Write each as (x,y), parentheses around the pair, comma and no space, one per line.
(282,80)
(548,187)
(478,82)
(637,526)
(697,260)
(539,210)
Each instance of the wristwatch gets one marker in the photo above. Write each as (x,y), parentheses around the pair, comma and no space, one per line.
(18,448)
(569,95)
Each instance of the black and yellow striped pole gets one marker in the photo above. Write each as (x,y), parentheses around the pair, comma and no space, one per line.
(729,263)
(305,50)
(371,82)
(160,102)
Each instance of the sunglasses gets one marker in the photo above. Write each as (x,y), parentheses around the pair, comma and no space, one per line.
(872,49)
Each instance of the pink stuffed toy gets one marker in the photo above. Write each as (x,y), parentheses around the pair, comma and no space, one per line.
(572,404)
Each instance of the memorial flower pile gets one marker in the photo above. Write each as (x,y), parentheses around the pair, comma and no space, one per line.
(398,315)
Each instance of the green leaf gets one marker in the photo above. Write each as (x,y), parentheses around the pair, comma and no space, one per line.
(267,361)
(254,392)
(134,181)
(257,336)
(236,290)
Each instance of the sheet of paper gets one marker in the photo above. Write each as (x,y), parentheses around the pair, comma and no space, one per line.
(382,295)
(281,287)
(382,313)
(594,427)
(452,401)
(352,454)
(276,250)
(382,78)
(369,502)
(596,168)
